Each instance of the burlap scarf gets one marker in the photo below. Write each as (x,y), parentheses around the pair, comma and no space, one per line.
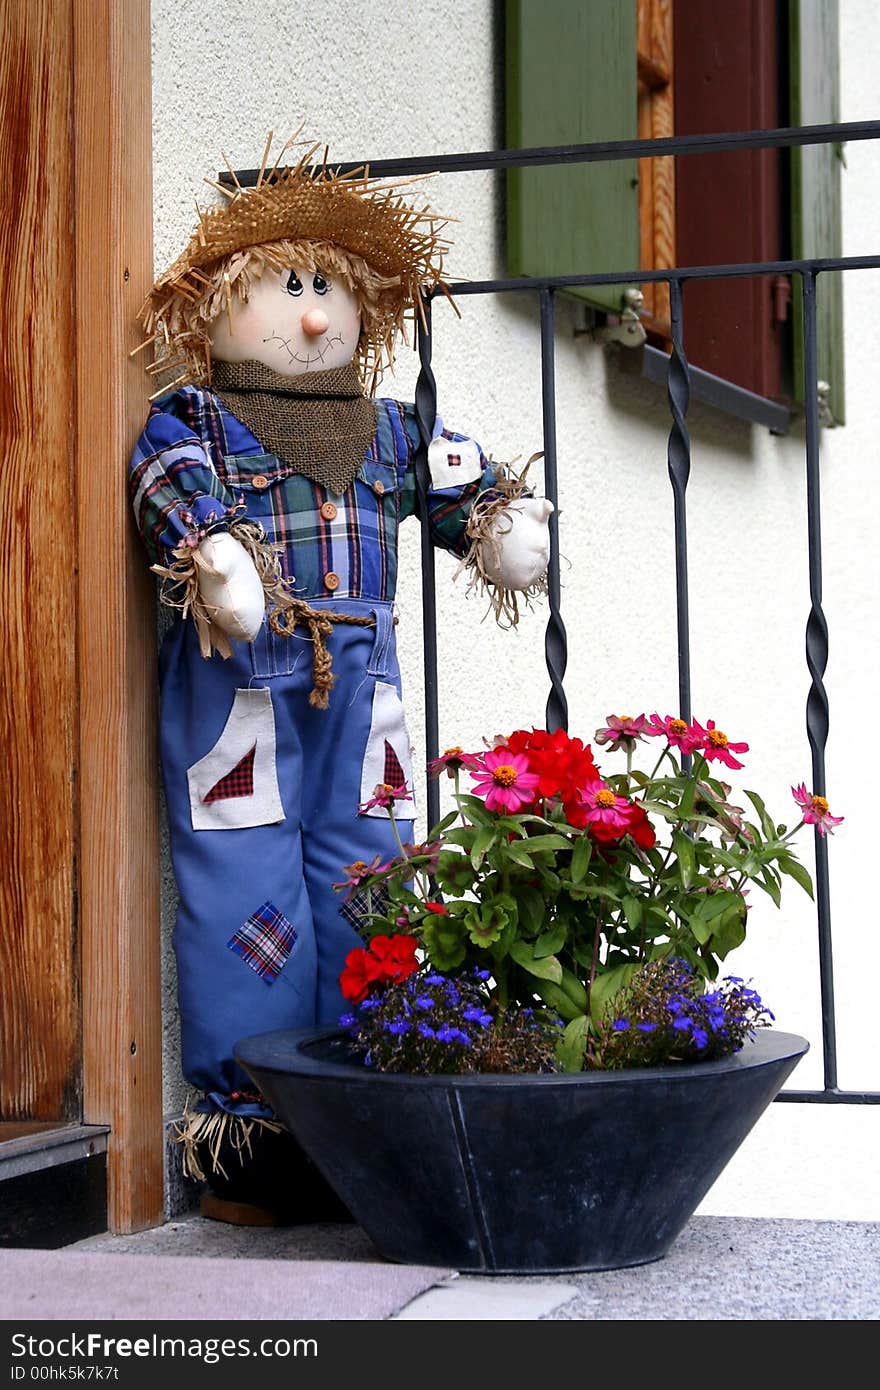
(320,423)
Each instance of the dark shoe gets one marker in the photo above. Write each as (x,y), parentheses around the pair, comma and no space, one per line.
(272,1183)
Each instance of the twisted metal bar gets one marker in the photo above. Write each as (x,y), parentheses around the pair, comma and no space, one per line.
(426,414)
(678,454)
(555,642)
(817,659)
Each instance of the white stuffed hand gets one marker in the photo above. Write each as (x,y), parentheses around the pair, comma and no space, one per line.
(516,552)
(230,587)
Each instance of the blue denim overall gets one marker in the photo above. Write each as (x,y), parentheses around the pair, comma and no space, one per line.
(308,772)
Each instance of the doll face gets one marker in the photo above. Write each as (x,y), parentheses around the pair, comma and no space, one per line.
(294,321)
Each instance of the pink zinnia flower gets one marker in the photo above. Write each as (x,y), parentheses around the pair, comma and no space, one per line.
(503,778)
(677,733)
(716,746)
(356,873)
(603,807)
(451,760)
(385,795)
(622,731)
(815,810)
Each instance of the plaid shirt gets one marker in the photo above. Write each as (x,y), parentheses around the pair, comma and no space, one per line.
(193,454)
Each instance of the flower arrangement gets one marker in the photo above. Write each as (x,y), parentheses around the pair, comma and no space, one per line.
(561,917)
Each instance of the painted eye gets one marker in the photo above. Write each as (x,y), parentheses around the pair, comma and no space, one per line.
(319,284)
(293,284)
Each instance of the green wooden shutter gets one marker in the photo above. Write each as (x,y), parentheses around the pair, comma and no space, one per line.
(816,213)
(571,79)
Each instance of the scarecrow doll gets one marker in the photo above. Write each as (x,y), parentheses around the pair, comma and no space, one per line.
(268,485)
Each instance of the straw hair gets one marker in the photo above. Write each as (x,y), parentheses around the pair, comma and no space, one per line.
(348,226)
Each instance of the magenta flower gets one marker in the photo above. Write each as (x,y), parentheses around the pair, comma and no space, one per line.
(677,733)
(815,810)
(603,807)
(358,872)
(504,780)
(385,795)
(715,746)
(622,731)
(451,760)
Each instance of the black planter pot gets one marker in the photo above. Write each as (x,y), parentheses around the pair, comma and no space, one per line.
(518,1174)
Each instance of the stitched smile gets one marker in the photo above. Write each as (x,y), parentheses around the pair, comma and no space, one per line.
(308,360)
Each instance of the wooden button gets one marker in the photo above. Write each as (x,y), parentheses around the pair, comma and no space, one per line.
(331,580)
(379,486)
(260,481)
(328,511)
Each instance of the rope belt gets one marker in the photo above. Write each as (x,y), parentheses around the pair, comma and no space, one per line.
(320,622)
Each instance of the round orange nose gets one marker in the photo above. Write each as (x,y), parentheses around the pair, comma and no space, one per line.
(314,322)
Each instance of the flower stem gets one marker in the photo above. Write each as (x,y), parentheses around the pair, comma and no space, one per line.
(595,960)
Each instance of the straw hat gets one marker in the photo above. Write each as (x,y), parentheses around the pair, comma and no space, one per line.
(390,250)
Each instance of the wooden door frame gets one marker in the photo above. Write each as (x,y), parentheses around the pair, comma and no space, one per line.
(119,852)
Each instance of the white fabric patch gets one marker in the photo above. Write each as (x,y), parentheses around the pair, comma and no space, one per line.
(251,722)
(388,722)
(453,462)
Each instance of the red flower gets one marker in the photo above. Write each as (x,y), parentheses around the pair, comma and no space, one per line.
(386,958)
(440,908)
(564,765)
(396,956)
(640,828)
(361,971)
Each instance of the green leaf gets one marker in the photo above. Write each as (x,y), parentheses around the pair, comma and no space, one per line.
(791,866)
(607,985)
(555,996)
(532,909)
(547,842)
(767,881)
(580,859)
(476,810)
(485,922)
(454,872)
(482,842)
(730,931)
(445,943)
(713,904)
(633,909)
(701,930)
(464,837)
(767,825)
(550,941)
(572,1045)
(442,825)
(518,854)
(575,989)
(547,968)
(684,849)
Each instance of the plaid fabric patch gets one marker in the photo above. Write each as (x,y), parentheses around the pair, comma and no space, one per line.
(264,942)
(357,908)
(394,773)
(238,782)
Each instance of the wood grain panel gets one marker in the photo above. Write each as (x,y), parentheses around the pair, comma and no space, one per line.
(39,1017)
(119,906)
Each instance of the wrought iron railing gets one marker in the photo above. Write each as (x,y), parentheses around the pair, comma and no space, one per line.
(678,456)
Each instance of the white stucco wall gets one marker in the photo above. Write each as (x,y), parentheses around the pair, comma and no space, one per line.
(392,79)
